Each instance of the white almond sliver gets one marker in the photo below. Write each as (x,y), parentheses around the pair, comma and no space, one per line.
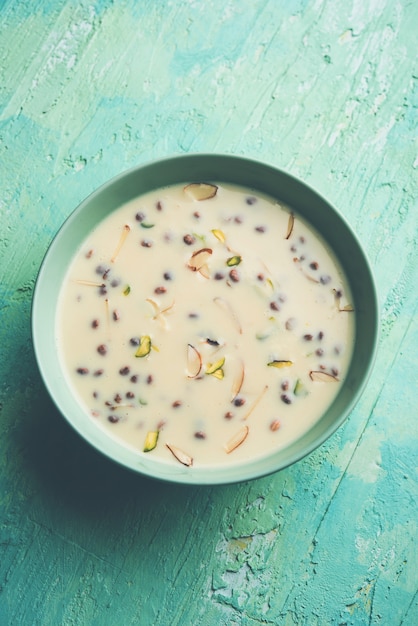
(201,191)
(237,439)
(181,456)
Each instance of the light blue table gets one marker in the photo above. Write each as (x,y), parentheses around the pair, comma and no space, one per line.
(325,89)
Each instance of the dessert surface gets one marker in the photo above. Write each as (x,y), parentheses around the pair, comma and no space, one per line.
(207,319)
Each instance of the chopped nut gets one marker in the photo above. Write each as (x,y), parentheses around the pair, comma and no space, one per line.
(144,347)
(212,368)
(219,234)
(181,456)
(194,361)
(151,440)
(121,241)
(234,260)
(323,377)
(199,259)
(279,363)
(201,191)
(237,439)
(290,225)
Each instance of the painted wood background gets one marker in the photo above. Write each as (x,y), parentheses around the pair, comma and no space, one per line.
(326,89)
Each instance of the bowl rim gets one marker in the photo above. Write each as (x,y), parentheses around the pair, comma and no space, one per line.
(105,443)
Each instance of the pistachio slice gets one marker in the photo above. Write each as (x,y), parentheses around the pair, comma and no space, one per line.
(181,456)
(234,260)
(194,361)
(124,234)
(151,440)
(144,347)
(300,389)
(219,234)
(219,374)
(213,368)
(147,225)
(279,363)
(199,259)
(290,225)
(201,191)
(127,290)
(322,377)
(237,439)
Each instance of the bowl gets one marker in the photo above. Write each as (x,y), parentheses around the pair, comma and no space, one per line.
(245,172)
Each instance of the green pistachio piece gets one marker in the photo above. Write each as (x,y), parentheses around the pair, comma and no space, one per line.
(144,347)
(279,363)
(151,440)
(219,234)
(300,389)
(216,369)
(234,260)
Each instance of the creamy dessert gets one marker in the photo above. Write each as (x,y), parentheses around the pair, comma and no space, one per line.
(205,324)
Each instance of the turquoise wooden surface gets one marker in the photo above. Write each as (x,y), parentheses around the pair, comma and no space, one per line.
(326,89)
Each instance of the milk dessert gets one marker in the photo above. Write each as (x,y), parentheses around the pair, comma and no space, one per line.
(205,324)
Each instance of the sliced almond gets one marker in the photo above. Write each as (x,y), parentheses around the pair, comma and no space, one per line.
(89,283)
(181,456)
(201,191)
(290,224)
(347,307)
(159,313)
(124,234)
(224,304)
(237,439)
(255,403)
(194,361)
(310,277)
(199,259)
(107,316)
(204,271)
(322,377)
(154,305)
(237,381)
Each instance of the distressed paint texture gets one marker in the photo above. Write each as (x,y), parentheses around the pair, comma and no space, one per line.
(326,89)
